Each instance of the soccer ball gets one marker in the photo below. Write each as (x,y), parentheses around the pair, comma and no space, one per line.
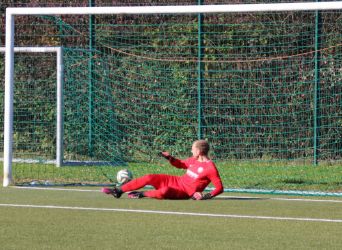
(124,176)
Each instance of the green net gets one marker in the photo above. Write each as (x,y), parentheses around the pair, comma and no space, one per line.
(34,105)
(256,82)
(262,88)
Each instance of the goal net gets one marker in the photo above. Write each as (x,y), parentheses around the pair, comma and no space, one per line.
(263,86)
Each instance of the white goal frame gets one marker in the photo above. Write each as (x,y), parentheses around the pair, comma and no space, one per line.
(59,104)
(189,9)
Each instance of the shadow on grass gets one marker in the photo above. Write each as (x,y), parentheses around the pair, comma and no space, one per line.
(240,198)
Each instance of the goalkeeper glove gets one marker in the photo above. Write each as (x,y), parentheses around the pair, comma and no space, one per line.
(207,196)
(200,196)
(167,156)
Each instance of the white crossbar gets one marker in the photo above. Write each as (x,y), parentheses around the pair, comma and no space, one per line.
(177,9)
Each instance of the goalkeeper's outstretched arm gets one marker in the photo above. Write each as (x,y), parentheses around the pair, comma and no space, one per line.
(166,155)
(173,161)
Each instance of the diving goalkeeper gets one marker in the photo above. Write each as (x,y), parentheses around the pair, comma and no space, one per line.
(200,171)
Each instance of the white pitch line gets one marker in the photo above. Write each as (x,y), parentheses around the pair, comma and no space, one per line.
(219,197)
(57,189)
(175,213)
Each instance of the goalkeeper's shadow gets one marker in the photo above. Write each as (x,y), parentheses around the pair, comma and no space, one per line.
(240,198)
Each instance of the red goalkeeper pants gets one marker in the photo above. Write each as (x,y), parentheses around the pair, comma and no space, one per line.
(166,186)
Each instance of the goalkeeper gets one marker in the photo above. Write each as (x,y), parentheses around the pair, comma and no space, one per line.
(200,171)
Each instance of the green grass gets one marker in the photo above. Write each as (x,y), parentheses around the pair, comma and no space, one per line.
(43,228)
(248,175)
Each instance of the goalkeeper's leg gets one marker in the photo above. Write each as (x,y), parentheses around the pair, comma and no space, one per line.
(166,187)
(151,179)
(171,193)
(154,180)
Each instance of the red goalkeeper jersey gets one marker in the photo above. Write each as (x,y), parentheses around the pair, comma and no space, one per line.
(198,175)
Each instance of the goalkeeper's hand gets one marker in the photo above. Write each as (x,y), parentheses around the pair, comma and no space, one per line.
(200,196)
(166,155)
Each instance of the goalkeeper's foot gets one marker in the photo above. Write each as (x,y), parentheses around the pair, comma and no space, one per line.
(113,191)
(136,195)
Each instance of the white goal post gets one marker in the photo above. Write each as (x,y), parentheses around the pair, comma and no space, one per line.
(190,9)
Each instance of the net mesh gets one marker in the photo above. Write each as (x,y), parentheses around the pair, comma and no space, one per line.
(138,84)
(257,84)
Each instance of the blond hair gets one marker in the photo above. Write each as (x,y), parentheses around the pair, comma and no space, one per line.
(202,146)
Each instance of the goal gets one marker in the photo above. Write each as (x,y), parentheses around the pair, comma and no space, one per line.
(261,82)
(59,95)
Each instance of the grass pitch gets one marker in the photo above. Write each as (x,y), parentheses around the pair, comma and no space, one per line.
(235,174)
(87,219)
